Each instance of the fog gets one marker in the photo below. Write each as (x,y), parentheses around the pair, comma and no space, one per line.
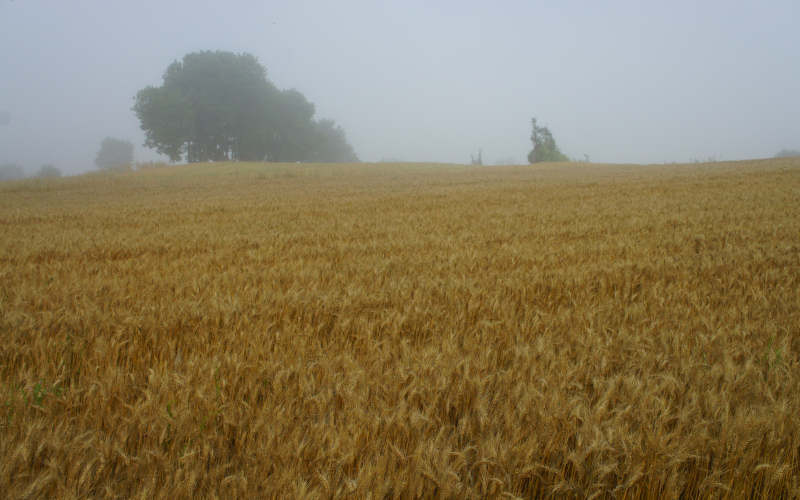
(423,81)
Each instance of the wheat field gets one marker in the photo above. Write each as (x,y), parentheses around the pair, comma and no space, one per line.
(402,331)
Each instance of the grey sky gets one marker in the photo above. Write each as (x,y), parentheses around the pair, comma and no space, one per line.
(424,80)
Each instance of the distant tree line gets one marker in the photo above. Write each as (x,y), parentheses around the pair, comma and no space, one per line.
(216,106)
(787,153)
(12,171)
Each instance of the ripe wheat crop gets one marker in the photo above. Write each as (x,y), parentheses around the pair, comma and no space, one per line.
(402,331)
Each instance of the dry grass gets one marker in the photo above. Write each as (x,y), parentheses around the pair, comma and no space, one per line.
(402,331)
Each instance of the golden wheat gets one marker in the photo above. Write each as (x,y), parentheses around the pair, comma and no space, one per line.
(402,331)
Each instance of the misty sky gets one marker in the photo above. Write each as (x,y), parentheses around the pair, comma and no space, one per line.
(643,82)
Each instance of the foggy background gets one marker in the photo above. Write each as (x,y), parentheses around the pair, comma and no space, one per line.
(423,81)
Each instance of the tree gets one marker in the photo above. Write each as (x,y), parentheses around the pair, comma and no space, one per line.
(114,153)
(221,106)
(544,146)
(787,153)
(293,127)
(330,143)
(11,171)
(476,160)
(48,171)
(166,119)
(211,106)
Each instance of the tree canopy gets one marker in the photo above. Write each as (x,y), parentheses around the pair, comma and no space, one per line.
(221,106)
(544,146)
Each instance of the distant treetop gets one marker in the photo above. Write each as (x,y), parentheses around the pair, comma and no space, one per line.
(114,153)
(544,146)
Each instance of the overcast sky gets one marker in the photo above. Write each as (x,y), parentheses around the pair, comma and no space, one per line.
(643,82)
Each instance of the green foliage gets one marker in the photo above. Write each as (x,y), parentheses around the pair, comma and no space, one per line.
(330,143)
(40,390)
(217,106)
(545,148)
(165,118)
(114,153)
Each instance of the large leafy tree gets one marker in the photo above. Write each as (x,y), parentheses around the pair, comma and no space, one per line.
(221,106)
(166,118)
(209,107)
(544,146)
